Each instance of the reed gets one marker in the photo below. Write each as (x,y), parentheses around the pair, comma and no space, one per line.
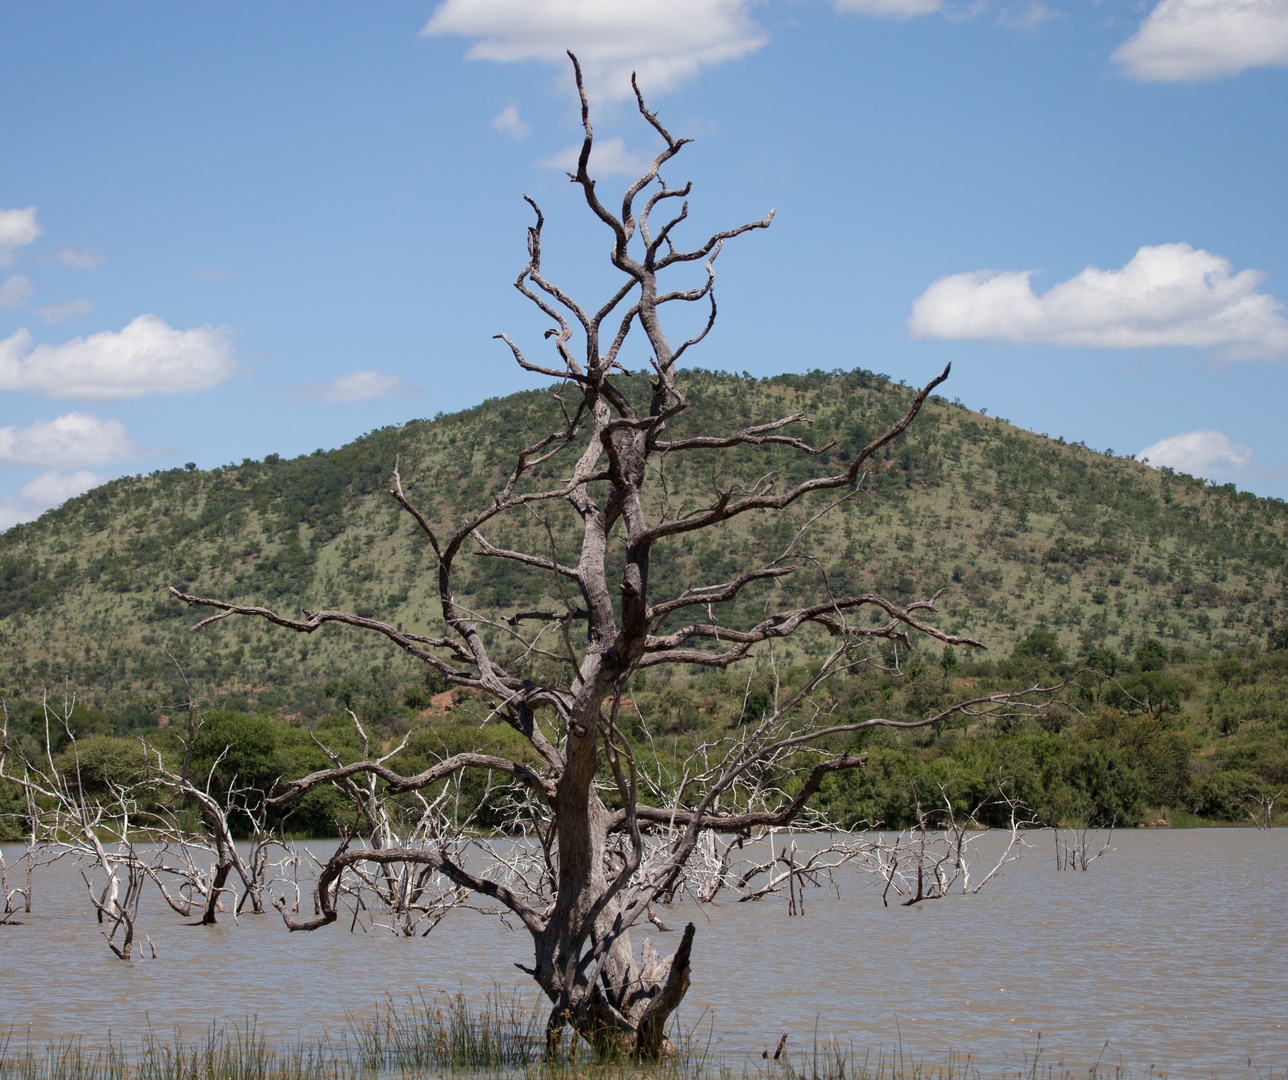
(446,1034)
(226,1052)
(416,1037)
(832,1060)
(502,1039)
(505,1037)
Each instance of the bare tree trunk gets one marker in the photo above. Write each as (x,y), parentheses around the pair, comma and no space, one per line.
(603,873)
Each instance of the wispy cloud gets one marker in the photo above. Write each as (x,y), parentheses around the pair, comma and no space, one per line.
(664,41)
(221,274)
(63,310)
(1030,17)
(1196,40)
(146,357)
(18,228)
(357,386)
(15,292)
(510,124)
(1170,295)
(891,9)
(1209,454)
(77,260)
(67,442)
(607,157)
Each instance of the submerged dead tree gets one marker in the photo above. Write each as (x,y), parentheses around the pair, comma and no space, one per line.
(610,624)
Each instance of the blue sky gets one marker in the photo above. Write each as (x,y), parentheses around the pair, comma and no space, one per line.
(249,229)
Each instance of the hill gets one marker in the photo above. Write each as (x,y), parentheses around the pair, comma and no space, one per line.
(1021,531)
(1051,554)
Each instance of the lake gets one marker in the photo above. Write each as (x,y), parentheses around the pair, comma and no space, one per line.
(1169,952)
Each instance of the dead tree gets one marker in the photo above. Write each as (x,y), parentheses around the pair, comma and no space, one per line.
(611,624)
(1262,809)
(406,898)
(96,828)
(29,842)
(124,836)
(9,895)
(927,862)
(185,857)
(1074,851)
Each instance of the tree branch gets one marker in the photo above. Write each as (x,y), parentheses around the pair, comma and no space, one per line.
(347,857)
(399,783)
(726,508)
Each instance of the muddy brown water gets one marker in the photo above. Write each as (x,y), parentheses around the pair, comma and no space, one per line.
(1170,952)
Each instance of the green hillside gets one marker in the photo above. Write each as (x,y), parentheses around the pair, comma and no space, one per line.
(1022,532)
(1053,555)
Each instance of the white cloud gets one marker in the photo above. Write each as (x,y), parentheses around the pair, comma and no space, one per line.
(15,292)
(1199,453)
(359,386)
(18,228)
(607,156)
(1030,17)
(145,357)
(509,123)
(44,493)
(1170,295)
(77,260)
(895,9)
(66,442)
(53,488)
(1195,40)
(664,41)
(63,310)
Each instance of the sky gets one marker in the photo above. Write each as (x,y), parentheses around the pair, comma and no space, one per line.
(240,229)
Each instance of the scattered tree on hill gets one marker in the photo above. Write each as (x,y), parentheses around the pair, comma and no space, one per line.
(608,625)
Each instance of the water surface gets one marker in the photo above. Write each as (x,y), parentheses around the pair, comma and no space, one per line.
(1172,949)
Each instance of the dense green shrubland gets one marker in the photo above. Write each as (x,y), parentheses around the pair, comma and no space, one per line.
(1117,751)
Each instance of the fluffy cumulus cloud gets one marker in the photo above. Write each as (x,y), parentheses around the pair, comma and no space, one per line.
(66,442)
(663,41)
(1170,295)
(1200,453)
(607,157)
(1194,40)
(146,357)
(18,228)
(893,9)
(358,386)
(44,493)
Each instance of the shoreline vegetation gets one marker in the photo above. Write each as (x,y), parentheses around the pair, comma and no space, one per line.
(1164,737)
(445,1036)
